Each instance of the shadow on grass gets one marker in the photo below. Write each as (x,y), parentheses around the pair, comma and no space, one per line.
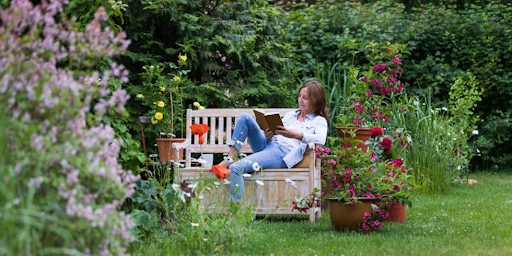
(283,218)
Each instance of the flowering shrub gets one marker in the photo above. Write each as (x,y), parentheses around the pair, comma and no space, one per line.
(397,183)
(374,89)
(162,94)
(349,174)
(373,220)
(64,154)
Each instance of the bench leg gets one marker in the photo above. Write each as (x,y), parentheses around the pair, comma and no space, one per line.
(315,214)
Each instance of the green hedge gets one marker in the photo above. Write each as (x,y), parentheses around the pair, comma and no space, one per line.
(443,42)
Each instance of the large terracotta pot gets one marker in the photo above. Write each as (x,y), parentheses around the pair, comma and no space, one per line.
(165,150)
(361,133)
(397,213)
(348,216)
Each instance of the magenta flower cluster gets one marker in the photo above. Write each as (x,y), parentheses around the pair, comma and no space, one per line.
(49,86)
(375,89)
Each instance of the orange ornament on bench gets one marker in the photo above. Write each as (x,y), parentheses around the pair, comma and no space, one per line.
(199,130)
(221,171)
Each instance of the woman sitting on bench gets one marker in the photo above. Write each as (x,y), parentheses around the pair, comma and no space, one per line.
(282,149)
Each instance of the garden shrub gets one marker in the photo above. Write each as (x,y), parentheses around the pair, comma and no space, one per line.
(162,209)
(62,174)
(237,50)
(431,154)
(464,96)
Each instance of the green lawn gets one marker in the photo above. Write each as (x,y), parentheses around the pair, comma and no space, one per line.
(469,220)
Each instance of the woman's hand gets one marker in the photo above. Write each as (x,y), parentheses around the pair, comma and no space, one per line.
(281,130)
(269,134)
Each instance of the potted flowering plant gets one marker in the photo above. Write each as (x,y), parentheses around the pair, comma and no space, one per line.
(373,90)
(396,183)
(162,95)
(350,185)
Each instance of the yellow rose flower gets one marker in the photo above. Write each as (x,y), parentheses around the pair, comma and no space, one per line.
(176,78)
(154,121)
(159,116)
(162,89)
(182,57)
(200,108)
(196,104)
(160,104)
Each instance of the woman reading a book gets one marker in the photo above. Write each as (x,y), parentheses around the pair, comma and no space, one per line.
(283,148)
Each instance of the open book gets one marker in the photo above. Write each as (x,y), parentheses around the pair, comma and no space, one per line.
(267,120)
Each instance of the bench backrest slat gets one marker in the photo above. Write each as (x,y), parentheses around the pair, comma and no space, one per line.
(221,123)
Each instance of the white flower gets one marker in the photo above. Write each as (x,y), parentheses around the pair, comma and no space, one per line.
(202,161)
(35,182)
(256,167)
(140,96)
(216,183)
(290,181)
(176,187)
(162,133)
(444,108)
(226,181)
(228,159)
(194,224)
(260,183)
(475,132)
(192,186)
(478,150)
(205,239)
(246,175)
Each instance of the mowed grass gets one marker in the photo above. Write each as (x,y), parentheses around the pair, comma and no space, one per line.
(468,220)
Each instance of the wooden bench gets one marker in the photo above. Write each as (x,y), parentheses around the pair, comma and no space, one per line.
(276,195)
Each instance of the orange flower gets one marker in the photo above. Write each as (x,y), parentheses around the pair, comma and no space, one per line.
(199,130)
(221,171)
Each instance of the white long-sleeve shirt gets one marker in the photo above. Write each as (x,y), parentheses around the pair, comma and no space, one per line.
(313,129)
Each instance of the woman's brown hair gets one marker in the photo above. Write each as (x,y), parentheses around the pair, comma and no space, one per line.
(317,96)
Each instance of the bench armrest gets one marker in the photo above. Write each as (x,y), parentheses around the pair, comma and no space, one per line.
(176,148)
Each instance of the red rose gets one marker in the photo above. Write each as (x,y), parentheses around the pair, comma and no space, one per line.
(376,132)
(396,163)
(386,143)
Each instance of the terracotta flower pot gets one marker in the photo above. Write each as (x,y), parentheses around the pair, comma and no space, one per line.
(348,216)
(165,151)
(397,213)
(361,133)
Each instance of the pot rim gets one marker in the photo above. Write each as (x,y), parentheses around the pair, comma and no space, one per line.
(357,198)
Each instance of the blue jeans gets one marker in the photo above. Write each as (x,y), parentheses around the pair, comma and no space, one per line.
(268,154)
